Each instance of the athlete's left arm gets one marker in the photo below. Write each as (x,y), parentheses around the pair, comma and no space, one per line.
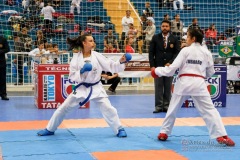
(110,65)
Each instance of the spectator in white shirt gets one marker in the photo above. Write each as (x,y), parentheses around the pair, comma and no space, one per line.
(47,14)
(180,4)
(126,20)
(75,3)
(36,55)
(149,33)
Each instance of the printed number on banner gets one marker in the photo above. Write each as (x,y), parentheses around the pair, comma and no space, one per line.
(217,104)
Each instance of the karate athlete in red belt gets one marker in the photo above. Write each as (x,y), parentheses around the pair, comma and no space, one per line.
(194,63)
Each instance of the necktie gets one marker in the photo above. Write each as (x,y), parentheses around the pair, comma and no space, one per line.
(165,42)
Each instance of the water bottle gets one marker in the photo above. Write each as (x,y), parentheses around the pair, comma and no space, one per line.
(55,61)
(25,68)
(14,69)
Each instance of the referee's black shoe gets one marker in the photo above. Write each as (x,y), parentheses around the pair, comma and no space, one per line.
(5,98)
(157,111)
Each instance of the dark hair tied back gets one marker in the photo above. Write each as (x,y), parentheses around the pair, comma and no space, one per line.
(197,33)
(77,42)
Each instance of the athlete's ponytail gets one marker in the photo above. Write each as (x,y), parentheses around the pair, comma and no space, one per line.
(77,42)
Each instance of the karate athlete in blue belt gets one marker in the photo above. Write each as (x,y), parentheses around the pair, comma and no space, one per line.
(85,68)
(194,63)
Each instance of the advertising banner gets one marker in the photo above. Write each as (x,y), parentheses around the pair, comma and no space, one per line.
(138,67)
(52,85)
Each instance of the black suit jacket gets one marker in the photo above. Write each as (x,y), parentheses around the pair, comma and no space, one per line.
(4,48)
(158,55)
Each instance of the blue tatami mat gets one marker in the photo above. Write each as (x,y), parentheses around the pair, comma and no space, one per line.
(72,143)
(67,156)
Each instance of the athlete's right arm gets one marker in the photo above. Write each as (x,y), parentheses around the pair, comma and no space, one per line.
(170,70)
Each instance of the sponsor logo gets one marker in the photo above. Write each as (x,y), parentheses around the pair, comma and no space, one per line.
(214,86)
(217,69)
(57,68)
(50,105)
(138,66)
(66,86)
(49,88)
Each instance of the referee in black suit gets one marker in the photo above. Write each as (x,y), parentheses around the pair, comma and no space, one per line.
(4,48)
(163,49)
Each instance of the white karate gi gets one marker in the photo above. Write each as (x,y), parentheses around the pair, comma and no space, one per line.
(99,63)
(75,3)
(194,59)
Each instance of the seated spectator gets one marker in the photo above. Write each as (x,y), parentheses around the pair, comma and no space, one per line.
(110,42)
(128,49)
(149,33)
(40,4)
(56,3)
(9,2)
(177,27)
(75,3)
(128,45)
(111,49)
(148,12)
(180,4)
(169,4)
(40,37)
(211,35)
(143,22)
(194,24)
(221,37)
(109,78)
(26,39)
(141,38)
(132,32)
(166,17)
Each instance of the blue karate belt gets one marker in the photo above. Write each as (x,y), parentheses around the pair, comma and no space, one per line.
(86,85)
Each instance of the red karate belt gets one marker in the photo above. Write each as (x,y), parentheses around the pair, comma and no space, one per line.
(190,75)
